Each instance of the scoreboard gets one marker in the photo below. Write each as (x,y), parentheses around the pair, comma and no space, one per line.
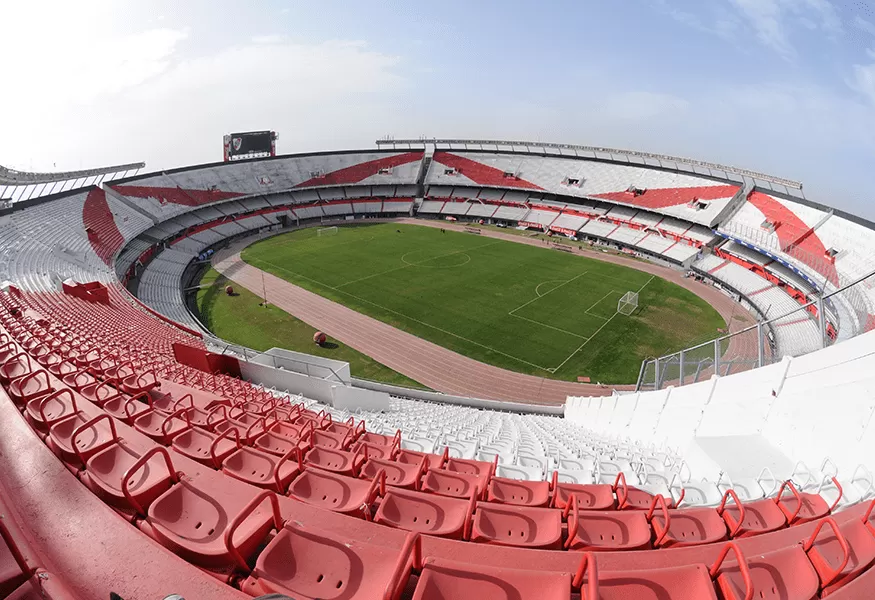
(251,144)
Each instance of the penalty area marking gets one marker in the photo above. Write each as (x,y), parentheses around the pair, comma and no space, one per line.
(562,364)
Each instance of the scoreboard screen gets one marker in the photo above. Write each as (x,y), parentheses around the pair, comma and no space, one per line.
(252,144)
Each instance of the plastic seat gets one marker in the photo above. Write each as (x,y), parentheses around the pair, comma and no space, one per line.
(376,439)
(78,380)
(162,428)
(336,461)
(686,526)
(687,582)
(520,473)
(98,392)
(309,564)
(78,437)
(201,528)
(480,468)
(608,530)
(455,485)
(520,526)
(412,457)
(375,450)
(30,386)
(45,411)
(247,433)
(444,579)
(207,448)
(329,439)
(753,518)
(397,474)
(595,496)
(17,365)
(796,572)
(425,513)
(519,493)
(293,431)
(126,408)
(636,498)
(843,554)
(337,493)
(108,471)
(279,445)
(139,383)
(802,507)
(262,469)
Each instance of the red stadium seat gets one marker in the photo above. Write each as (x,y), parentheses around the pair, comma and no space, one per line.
(520,526)
(519,493)
(127,408)
(336,461)
(30,386)
(690,581)
(262,469)
(17,365)
(200,527)
(108,472)
(337,493)
(330,439)
(45,411)
(306,564)
(686,526)
(411,457)
(597,496)
(803,507)
(207,448)
(162,428)
(78,437)
(842,554)
(606,530)
(138,383)
(397,474)
(426,513)
(275,443)
(444,579)
(752,518)
(455,485)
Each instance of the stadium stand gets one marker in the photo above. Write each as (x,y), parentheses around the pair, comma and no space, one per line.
(754,485)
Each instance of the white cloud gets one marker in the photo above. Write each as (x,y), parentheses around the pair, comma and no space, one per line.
(864,25)
(642,106)
(772,20)
(864,79)
(328,95)
(267,39)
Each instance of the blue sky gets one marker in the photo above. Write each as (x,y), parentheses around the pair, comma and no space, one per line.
(782,86)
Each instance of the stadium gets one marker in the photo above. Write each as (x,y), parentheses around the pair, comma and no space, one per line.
(569,372)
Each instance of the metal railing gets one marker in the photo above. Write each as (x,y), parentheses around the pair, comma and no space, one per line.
(797,332)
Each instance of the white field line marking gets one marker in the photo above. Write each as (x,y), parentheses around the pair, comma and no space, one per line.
(516,358)
(550,292)
(550,327)
(599,302)
(597,331)
(407,265)
(538,287)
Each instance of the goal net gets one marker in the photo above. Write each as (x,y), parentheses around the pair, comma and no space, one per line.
(628,304)
(326,231)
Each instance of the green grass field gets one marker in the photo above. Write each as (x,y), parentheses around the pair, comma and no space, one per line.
(528,309)
(242,320)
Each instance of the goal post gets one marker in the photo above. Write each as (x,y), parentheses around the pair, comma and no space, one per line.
(323,231)
(628,304)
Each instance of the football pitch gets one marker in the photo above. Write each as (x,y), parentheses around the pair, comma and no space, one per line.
(525,308)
